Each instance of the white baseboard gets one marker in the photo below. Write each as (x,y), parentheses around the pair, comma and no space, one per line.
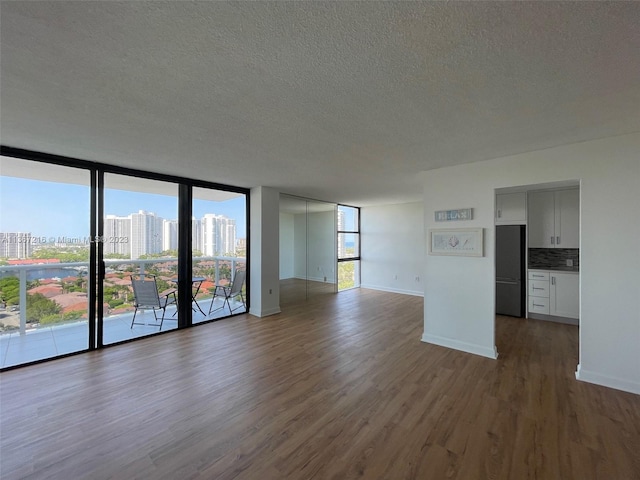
(462,346)
(415,293)
(264,313)
(607,381)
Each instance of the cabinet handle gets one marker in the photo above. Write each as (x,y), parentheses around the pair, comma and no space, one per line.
(553,280)
(499,213)
(536,305)
(536,288)
(552,239)
(557,240)
(537,276)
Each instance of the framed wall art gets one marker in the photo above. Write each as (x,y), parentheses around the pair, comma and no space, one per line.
(456,241)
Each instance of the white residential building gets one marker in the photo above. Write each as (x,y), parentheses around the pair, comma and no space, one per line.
(342,248)
(169,235)
(15,245)
(117,228)
(218,235)
(196,234)
(146,234)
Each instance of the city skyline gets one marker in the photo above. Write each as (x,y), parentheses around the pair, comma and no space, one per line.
(56,210)
(142,232)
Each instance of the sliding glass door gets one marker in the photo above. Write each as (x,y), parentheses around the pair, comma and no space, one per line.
(139,248)
(45,268)
(93,255)
(219,249)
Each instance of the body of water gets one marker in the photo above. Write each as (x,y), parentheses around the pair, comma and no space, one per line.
(44,273)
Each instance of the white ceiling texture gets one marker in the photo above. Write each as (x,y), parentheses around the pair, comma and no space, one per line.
(338,101)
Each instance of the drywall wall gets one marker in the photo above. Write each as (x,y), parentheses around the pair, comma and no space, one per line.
(264,278)
(392,244)
(460,293)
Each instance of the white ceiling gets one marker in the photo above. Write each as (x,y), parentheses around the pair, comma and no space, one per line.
(338,101)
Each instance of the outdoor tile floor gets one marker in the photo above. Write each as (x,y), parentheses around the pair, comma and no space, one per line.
(57,340)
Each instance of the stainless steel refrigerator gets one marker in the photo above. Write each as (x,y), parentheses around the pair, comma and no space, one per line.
(510,270)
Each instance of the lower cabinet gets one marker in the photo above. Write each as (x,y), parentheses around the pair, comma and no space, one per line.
(554,293)
(564,295)
(538,293)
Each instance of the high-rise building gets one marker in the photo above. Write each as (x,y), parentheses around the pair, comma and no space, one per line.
(146,234)
(169,235)
(342,247)
(218,235)
(117,228)
(196,235)
(15,245)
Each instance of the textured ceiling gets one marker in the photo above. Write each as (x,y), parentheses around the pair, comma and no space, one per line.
(337,101)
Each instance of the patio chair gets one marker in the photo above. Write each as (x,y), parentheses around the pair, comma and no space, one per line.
(229,293)
(145,291)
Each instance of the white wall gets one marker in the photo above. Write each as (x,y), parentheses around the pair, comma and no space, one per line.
(286,246)
(264,280)
(392,245)
(460,293)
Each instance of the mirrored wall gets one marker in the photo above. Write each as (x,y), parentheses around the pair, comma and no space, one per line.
(308,249)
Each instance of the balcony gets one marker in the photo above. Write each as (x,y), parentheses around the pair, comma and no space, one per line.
(22,341)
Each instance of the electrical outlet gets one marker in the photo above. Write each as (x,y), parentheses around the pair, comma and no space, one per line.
(395,277)
(417,278)
(569,263)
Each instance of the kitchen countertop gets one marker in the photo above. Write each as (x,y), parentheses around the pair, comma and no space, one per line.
(557,269)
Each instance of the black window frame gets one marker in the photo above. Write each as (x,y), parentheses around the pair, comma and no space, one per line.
(185,196)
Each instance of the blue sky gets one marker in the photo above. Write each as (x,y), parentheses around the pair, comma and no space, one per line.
(57,209)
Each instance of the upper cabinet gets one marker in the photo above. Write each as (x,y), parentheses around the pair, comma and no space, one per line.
(554,218)
(511,208)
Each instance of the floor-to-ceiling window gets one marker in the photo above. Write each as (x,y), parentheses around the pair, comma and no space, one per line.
(348,247)
(45,268)
(92,255)
(219,251)
(139,244)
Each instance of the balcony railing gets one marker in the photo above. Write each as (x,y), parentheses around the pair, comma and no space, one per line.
(22,271)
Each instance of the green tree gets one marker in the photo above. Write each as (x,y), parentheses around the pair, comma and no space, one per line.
(117,256)
(64,254)
(346,271)
(57,318)
(39,306)
(10,290)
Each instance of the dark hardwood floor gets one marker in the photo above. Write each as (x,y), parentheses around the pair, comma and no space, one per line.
(335,387)
(295,290)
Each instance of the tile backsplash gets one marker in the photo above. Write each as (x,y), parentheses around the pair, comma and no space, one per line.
(553,257)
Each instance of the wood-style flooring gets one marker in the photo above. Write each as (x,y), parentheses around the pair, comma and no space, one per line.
(335,387)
